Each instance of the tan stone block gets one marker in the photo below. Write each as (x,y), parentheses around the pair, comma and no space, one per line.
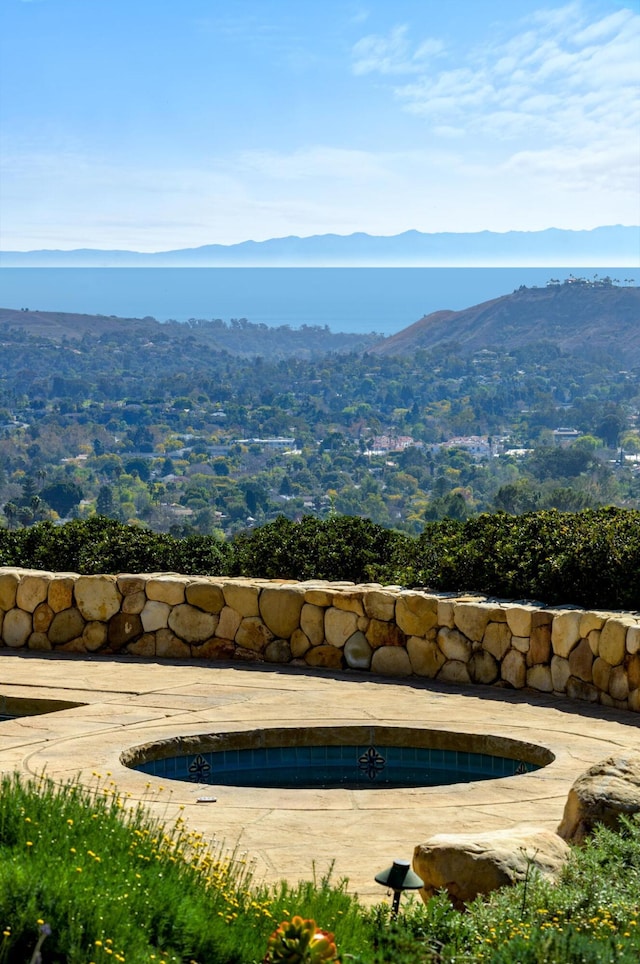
(565,631)
(634,701)
(123,629)
(581,661)
(514,669)
(280,610)
(317,596)
(32,590)
(363,623)
(130,584)
(168,646)
(17,626)
(72,646)
(242,655)
(145,646)
(191,624)
(39,642)
(350,602)
(253,634)
(541,617)
(518,619)
(97,597)
(454,645)
(205,595)
(497,639)
(312,623)
(278,651)
(326,657)
(594,641)
(94,635)
(633,672)
(155,615)
(619,683)
(338,626)
(379,604)
(60,592)
(300,643)
(601,673)
(445,613)
(1,621)
(454,671)
(243,597)
(380,633)
(577,689)
(590,621)
(358,652)
(425,655)
(416,613)
(391,661)
(613,641)
(521,643)
(9,582)
(166,589)
(633,640)
(228,623)
(539,642)
(220,649)
(65,626)
(471,619)
(560,673)
(539,678)
(483,667)
(135,603)
(42,616)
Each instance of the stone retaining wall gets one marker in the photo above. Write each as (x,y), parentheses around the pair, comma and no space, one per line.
(593,656)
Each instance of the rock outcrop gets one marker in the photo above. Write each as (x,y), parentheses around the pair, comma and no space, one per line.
(600,796)
(471,864)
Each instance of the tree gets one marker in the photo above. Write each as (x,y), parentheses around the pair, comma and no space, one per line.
(11,512)
(62,496)
(104,502)
(610,427)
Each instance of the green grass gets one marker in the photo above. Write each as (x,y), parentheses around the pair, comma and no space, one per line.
(114,884)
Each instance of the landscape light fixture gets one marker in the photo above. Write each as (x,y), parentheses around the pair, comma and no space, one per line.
(398,877)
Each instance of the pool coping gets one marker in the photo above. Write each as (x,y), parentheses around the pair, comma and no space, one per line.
(121,702)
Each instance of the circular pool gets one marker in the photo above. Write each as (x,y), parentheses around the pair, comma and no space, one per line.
(349,757)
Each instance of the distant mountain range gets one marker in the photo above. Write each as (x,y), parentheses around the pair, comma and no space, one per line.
(616,244)
(575,316)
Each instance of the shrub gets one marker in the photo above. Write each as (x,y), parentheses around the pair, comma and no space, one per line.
(589,558)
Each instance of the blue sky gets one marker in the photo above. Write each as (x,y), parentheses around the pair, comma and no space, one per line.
(158,124)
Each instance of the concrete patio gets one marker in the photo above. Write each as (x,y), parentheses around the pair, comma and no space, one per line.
(286,833)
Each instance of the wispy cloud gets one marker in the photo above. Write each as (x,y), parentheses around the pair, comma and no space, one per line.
(394,54)
(561,76)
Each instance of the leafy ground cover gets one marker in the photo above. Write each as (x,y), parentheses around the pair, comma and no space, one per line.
(85,878)
(589,558)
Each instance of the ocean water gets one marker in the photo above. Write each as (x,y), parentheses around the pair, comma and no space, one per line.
(383,300)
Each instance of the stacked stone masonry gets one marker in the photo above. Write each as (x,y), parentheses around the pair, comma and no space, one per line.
(385,630)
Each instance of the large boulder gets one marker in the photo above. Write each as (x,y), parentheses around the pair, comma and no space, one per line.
(601,795)
(469,864)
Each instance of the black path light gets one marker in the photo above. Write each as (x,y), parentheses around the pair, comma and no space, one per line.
(398,877)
